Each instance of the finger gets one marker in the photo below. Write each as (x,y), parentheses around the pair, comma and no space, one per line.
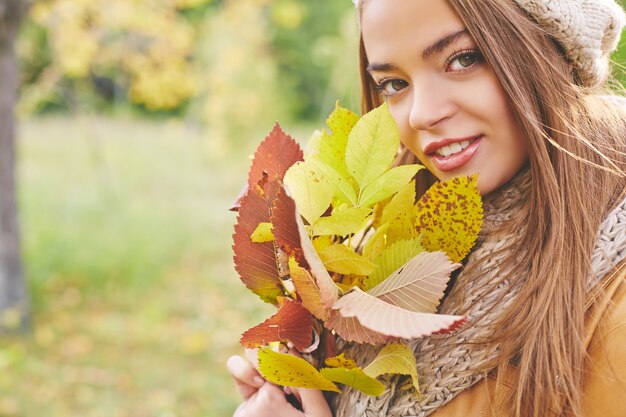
(313,402)
(252,356)
(240,411)
(270,401)
(246,377)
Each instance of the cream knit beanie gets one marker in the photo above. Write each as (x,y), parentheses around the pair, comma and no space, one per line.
(588,31)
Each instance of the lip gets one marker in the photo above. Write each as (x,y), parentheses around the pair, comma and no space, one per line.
(454,161)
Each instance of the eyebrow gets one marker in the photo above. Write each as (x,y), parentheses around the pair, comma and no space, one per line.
(443,43)
(433,49)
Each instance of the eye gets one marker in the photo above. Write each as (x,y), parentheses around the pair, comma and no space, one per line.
(464,61)
(390,87)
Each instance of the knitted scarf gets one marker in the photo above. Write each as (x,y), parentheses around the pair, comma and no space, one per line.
(445,363)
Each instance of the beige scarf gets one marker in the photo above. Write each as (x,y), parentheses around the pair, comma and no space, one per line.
(445,363)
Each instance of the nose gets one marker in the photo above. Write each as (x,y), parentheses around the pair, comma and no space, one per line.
(430,106)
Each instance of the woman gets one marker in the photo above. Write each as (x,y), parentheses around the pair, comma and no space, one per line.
(513,90)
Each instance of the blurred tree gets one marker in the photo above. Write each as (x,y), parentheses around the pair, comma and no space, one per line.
(241,90)
(136,50)
(315,48)
(14,309)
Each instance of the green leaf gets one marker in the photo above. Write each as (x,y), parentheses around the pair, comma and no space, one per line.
(344,190)
(372,146)
(263,233)
(291,371)
(354,377)
(332,148)
(449,216)
(342,222)
(310,189)
(344,260)
(388,184)
(392,258)
(396,358)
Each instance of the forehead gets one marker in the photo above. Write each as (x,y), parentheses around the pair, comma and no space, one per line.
(390,26)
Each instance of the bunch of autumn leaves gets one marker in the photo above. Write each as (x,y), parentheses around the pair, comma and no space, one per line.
(338,243)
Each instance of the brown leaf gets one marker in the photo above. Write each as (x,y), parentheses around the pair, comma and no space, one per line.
(308,291)
(292,323)
(329,292)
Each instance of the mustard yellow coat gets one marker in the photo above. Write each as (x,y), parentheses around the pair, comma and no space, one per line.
(605,382)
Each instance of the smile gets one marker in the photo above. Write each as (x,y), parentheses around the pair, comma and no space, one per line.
(451,154)
(452,148)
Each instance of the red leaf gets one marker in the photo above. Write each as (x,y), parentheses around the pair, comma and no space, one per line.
(285,227)
(292,323)
(273,157)
(256,263)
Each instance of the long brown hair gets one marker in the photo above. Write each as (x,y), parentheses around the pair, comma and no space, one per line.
(577,144)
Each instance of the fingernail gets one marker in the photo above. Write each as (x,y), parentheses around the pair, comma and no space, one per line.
(287,390)
(259,381)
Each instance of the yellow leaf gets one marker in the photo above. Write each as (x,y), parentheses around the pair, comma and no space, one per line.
(377,242)
(399,214)
(401,204)
(262,233)
(313,144)
(342,222)
(322,242)
(449,216)
(355,378)
(340,361)
(396,358)
(344,260)
(310,189)
(291,371)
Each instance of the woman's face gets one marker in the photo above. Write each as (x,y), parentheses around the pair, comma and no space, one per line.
(448,104)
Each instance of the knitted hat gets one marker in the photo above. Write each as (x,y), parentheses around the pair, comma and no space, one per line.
(588,31)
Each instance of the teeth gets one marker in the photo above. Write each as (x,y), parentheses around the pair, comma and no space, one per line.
(448,150)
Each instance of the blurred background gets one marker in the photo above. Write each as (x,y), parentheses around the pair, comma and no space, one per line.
(135,123)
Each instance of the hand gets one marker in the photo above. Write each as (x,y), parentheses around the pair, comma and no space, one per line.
(264,399)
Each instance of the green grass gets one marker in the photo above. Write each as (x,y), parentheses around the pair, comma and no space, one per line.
(126,244)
